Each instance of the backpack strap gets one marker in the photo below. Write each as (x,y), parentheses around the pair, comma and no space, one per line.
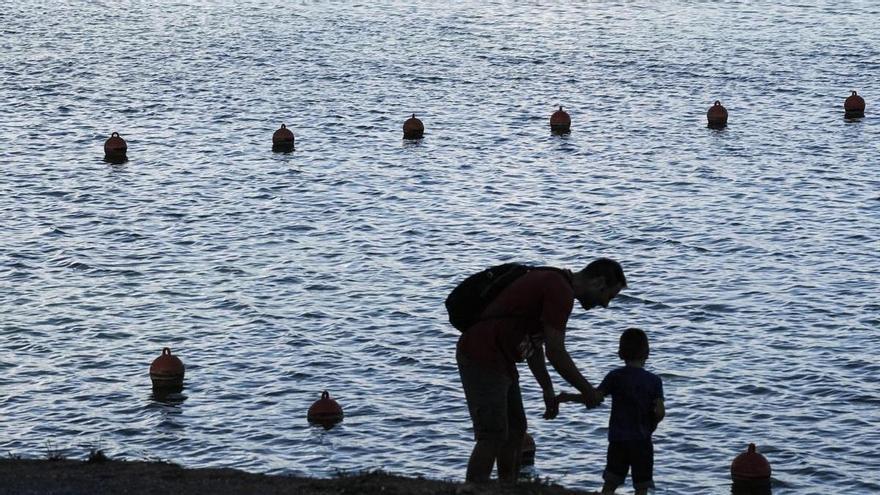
(566,274)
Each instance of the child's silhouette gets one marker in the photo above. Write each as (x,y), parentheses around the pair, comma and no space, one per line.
(636,408)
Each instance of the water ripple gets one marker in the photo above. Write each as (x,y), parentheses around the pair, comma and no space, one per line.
(751,252)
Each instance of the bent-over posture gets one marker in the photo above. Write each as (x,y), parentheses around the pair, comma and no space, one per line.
(527,317)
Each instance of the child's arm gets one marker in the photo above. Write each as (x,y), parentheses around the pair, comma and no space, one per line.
(568,397)
(659,412)
(659,407)
(579,398)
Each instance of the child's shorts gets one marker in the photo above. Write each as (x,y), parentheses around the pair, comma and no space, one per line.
(638,454)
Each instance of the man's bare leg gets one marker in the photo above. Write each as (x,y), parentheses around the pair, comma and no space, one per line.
(481,461)
(509,459)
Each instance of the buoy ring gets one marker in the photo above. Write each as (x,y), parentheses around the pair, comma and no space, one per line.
(283,139)
(325,411)
(167,372)
(750,469)
(413,128)
(115,148)
(717,115)
(560,122)
(854,106)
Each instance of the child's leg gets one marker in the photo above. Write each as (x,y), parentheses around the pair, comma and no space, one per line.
(616,467)
(642,457)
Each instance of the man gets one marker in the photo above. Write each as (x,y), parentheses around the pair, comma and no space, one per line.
(526,317)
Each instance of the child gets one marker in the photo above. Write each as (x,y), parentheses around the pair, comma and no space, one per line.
(636,408)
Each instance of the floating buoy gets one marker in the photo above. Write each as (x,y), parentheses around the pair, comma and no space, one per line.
(854,106)
(717,116)
(115,149)
(325,411)
(560,122)
(166,372)
(528,450)
(282,139)
(750,470)
(413,128)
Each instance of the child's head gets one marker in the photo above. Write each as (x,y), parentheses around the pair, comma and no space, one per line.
(633,345)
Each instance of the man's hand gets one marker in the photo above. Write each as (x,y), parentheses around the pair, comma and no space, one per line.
(551,405)
(593,398)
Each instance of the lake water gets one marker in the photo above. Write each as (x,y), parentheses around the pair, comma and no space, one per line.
(752,252)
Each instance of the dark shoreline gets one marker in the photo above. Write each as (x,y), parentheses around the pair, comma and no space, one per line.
(67,477)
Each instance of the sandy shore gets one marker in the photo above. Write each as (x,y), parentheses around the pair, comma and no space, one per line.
(57,477)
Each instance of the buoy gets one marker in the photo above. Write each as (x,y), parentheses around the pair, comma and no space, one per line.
(166,372)
(750,470)
(413,128)
(528,450)
(854,106)
(282,139)
(325,411)
(717,115)
(115,148)
(560,122)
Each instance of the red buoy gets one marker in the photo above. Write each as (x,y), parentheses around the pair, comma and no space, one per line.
(854,106)
(560,122)
(282,139)
(166,372)
(325,411)
(413,128)
(528,450)
(717,116)
(750,470)
(115,148)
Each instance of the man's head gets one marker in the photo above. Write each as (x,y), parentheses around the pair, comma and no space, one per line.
(598,283)
(633,345)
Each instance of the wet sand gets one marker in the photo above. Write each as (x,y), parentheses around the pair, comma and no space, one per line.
(67,477)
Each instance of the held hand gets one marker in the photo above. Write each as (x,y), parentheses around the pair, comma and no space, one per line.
(569,397)
(551,406)
(593,398)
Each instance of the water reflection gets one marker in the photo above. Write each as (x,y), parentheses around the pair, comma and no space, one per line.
(745,489)
(174,399)
(283,148)
(329,265)
(116,159)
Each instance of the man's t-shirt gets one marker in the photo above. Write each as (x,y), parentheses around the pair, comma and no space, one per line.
(633,391)
(512,324)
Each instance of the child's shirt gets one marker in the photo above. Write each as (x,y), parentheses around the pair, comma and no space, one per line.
(633,391)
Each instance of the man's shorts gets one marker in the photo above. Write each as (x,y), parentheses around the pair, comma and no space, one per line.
(494,401)
(638,454)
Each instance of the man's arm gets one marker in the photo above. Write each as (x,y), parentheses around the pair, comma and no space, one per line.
(539,369)
(563,364)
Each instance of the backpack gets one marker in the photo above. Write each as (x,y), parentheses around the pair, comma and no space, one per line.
(469,299)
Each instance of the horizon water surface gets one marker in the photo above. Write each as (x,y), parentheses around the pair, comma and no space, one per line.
(751,252)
